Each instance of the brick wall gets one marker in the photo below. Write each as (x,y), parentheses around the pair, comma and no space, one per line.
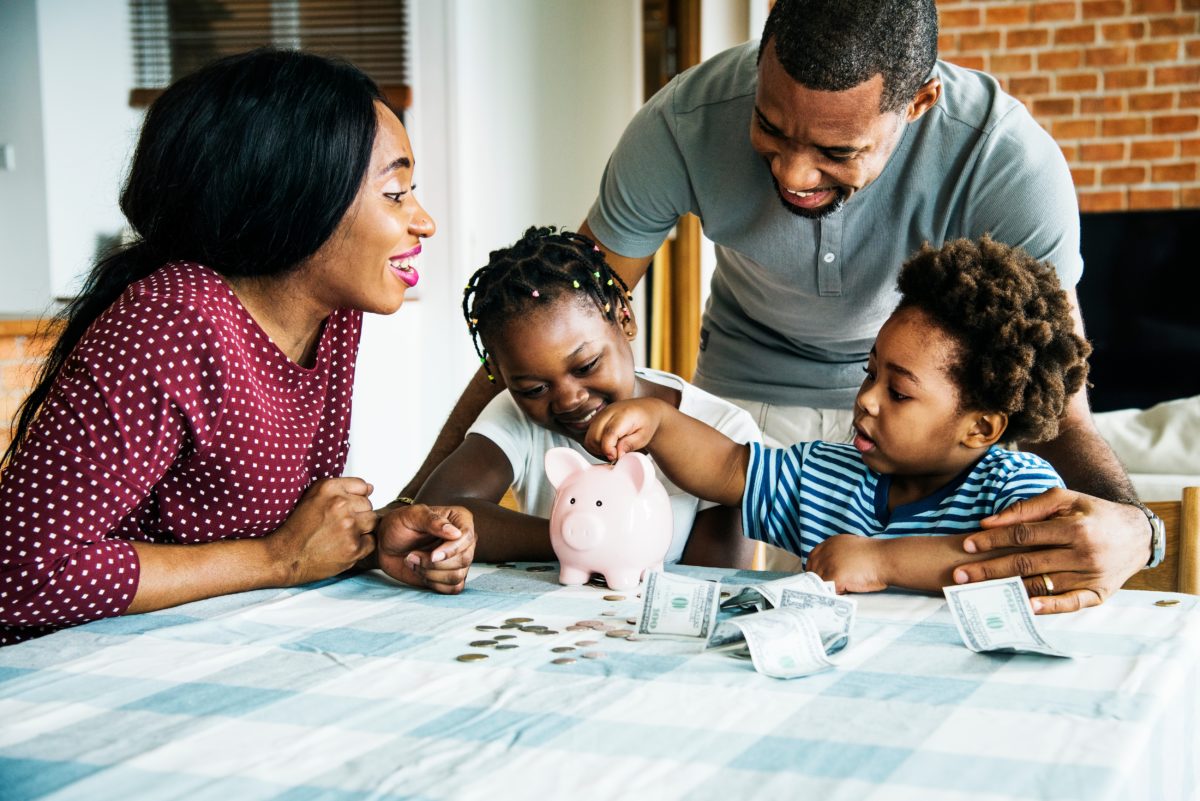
(1115,82)
(21,351)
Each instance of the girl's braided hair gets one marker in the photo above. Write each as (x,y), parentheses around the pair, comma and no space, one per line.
(544,265)
(1018,350)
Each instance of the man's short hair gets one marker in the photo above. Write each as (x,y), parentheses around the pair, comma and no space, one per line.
(834,45)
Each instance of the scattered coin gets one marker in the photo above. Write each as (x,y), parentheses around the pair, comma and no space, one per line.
(519,620)
(504,646)
(562,649)
(591,624)
(482,643)
(563,660)
(593,654)
(546,631)
(577,627)
(1167,602)
(614,597)
(486,628)
(511,626)
(539,568)
(503,636)
(608,613)
(533,629)
(726,594)
(618,633)
(471,657)
(633,638)
(585,643)
(631,621)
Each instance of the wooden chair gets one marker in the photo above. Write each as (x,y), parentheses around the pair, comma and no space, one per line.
(1180,570)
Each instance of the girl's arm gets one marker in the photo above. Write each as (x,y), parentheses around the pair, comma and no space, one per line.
(716,540)
(476,475)
(694,455)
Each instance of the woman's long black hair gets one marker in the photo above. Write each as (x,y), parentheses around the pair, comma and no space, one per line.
(245,166)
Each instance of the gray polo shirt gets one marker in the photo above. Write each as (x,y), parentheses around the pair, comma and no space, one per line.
(796,303)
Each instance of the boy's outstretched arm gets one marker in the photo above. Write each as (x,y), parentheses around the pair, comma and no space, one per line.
(697,457)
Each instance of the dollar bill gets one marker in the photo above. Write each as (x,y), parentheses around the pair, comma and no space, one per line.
(767,594)
(678,607)
(832,614)
(996,616)
(782,643)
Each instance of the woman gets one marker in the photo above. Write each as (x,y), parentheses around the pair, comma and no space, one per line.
(186,433)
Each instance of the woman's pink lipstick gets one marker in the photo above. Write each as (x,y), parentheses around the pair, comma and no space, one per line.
(404,266)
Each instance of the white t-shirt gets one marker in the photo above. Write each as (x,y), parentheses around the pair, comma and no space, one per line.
(525,444)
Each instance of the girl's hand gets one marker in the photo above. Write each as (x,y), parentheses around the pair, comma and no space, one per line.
(851,562)
(427,546)
(327,532)
(625,426)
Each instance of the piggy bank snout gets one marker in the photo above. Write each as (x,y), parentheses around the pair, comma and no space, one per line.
(583,531)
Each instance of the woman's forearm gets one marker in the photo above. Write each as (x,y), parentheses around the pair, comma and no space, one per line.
(176,574)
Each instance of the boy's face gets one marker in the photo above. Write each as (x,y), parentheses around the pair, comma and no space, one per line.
(565,362)
(907,419)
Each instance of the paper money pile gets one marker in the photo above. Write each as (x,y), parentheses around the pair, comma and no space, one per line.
(996,616)
(788,628)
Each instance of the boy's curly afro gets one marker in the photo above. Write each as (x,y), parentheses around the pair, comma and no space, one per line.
(1018,352)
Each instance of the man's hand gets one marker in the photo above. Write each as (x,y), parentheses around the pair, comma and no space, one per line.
(851,562)
(1088,547)
(426,546)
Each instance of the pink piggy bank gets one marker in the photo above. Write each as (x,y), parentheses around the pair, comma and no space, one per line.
(609,519)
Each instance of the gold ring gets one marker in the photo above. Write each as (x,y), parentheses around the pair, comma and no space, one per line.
(1049,584)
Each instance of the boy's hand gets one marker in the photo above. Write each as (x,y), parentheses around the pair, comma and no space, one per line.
(623,427)
(851,562)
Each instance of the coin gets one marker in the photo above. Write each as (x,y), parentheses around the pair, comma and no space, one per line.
(631,621)
(608,613)
(585,643)
(618,633)
(562,649)
(577,627)
(486,628)
(539,568)
(593,654)
(1167,602)
(504,646)
(614,597)
(503,636)
(726,594)
(563,660)
(633,638)
(471,657)
(511,626)
(546,631)
(591,624)
(519,620)
(533,629)
(482,643)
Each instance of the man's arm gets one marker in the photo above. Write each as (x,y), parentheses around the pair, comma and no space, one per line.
(630,269)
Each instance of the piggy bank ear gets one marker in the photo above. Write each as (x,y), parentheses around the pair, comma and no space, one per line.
(638,467)
(561,464)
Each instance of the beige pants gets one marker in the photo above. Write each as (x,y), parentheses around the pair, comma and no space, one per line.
(782,426)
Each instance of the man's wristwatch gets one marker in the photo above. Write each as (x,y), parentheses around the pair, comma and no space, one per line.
(1158,535)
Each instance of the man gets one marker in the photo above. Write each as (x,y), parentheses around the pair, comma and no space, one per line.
(818,162)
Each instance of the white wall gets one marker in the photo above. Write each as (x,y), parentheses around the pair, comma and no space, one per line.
(517,106)
(24,247)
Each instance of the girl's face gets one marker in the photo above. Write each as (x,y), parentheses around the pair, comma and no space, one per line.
(907,419)
(370,261)
(564,362)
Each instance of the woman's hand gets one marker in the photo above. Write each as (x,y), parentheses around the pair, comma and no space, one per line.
(427,546)
(851,562)
(328,532)
(623,427)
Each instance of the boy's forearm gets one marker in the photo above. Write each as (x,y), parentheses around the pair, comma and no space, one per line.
(700,459)
(925,563)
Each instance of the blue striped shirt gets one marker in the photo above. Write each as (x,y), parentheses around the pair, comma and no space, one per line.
(800,496)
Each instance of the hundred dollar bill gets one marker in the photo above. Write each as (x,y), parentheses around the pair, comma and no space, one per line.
(995,616)
(782,643)
(832,614)
(678,607)
(767,594)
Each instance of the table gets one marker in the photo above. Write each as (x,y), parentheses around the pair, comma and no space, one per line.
(350,689)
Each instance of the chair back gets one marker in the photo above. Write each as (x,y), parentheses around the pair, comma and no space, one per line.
(1180,570)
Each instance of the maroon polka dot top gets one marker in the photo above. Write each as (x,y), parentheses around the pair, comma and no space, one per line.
(175,420)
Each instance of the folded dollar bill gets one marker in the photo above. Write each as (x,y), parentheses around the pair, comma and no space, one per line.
(782,643)
(996,616)
(678,607)
(766,595)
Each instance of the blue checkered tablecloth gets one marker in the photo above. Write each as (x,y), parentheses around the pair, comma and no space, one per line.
(349,689)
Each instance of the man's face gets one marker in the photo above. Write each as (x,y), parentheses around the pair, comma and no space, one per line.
(822,147)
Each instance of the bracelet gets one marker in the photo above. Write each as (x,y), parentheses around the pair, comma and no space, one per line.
(1158,535)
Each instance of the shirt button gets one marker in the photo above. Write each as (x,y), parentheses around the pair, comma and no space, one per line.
(829,257)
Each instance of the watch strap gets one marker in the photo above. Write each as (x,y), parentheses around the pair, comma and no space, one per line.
(1158,535)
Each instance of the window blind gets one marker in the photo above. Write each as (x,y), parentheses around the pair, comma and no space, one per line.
(174,37)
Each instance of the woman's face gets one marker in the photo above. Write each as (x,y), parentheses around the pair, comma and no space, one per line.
(370,261)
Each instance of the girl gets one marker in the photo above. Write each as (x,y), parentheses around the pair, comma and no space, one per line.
(981,346)
(188,429)
(552,321)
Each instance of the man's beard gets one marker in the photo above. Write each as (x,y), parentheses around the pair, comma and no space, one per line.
(812,214)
